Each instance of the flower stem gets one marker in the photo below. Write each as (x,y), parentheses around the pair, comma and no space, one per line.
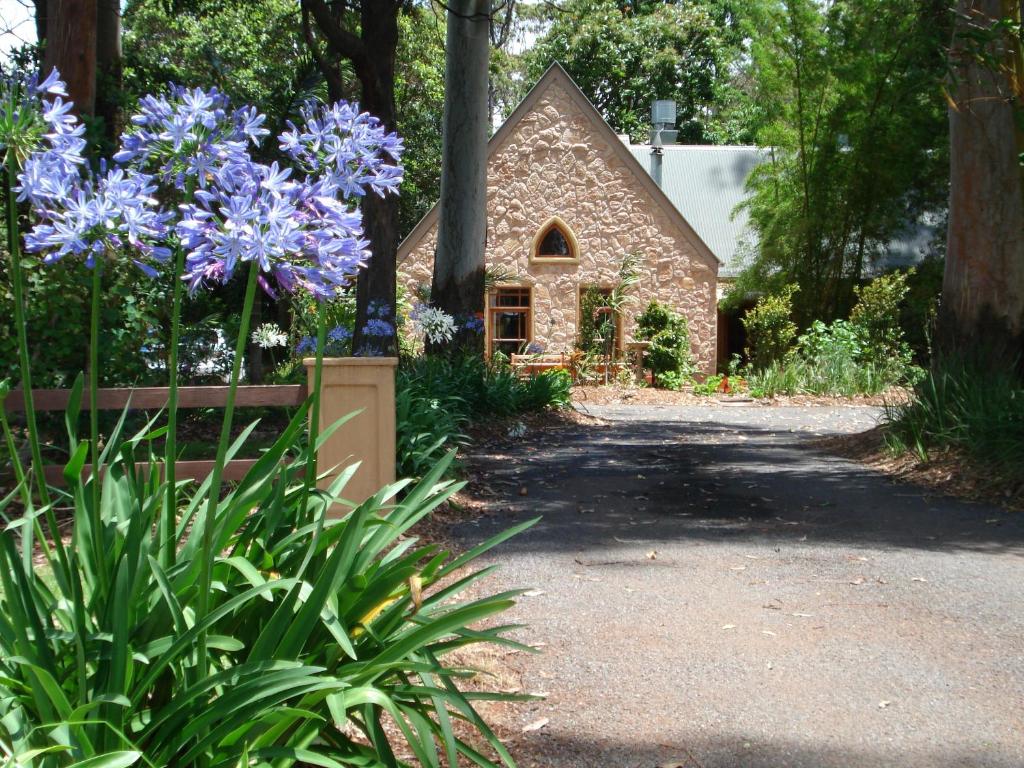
(94,385)
(314,418)
(17,281)
(209,520)
(168,523)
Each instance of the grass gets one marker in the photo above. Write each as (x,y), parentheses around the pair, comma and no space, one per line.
(957,407)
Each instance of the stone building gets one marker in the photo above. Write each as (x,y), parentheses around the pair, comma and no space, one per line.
(567,201)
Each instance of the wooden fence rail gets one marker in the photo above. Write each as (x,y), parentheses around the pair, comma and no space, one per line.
(151,398)
(366,385)
(147,398)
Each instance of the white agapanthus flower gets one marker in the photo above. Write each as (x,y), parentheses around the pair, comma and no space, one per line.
(435,324)
(268,336)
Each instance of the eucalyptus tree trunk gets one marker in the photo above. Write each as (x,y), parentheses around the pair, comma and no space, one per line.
(982,312)
(365,33)
(458,279)
(71,47)
(109,70)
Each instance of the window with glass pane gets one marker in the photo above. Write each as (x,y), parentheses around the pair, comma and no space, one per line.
(555,244)
(509,324)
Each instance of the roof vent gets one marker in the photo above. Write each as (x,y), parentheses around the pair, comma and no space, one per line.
(663,113)
(663,122)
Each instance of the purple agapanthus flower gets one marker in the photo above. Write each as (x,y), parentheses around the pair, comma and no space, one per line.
(339,333)
(377,327)
(349,151)
(473,323)
(43,133)
(294,226)
(189,134)
(111,212)
(80,213)
(300,237)
(306,345)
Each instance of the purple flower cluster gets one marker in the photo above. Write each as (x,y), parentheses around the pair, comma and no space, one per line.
(473,323)
(189,134)
(114,211)
(79,213)
(302,231)
(347,150)
(252,212)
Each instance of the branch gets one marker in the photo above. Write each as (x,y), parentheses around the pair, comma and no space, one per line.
(340,40)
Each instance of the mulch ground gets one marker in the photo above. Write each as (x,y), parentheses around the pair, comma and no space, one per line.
(948,472)
(619,395)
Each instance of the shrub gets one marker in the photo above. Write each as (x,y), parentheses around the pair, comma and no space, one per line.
(669,337)
(770,329)
(436,397)
(710,385)
(670,380)
(877,315)
(956,405)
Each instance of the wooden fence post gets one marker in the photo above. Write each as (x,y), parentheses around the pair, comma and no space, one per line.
(351,384)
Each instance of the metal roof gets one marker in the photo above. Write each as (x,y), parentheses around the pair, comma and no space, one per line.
(706,183)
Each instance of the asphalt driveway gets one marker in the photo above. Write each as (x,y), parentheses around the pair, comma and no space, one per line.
(710,592)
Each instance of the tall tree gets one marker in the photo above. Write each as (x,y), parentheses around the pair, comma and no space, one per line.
(458,280)
(364,33)
(109,68)
(845,97)
(982,309)
(68,32)
(625,55)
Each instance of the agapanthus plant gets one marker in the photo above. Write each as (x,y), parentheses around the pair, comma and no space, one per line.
(35,121)
(92,215)
(435,325)
(276,632)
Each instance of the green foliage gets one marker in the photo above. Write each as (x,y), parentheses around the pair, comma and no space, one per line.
(250,49)
(624,58)
(770,329)
(962,407)
(673,380)
(669,337)
(58,311)
(437,397)
(877,317)
(709,386)
(319,627)
(419,97)
(858,153)
(594,325)
(864,355)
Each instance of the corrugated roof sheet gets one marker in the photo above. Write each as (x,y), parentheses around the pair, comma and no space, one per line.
(706,183)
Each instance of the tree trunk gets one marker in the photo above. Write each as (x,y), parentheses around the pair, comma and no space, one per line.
(109,81)
(71,48)
(372,53)
(458,279)
(376,288)
(982,311)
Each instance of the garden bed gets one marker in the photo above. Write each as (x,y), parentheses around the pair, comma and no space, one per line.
(949,472)
(614,394)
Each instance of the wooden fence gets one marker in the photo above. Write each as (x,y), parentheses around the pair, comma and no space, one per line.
(350,384)
(153,398)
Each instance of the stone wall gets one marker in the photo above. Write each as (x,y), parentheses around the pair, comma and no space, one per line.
(557,162)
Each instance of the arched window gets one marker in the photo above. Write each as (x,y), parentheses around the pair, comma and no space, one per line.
(555,242)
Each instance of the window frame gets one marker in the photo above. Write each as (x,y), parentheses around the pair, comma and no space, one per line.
(495,308)
(570,237)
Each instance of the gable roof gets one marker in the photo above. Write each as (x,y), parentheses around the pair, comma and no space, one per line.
(706,183)
(555,74)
